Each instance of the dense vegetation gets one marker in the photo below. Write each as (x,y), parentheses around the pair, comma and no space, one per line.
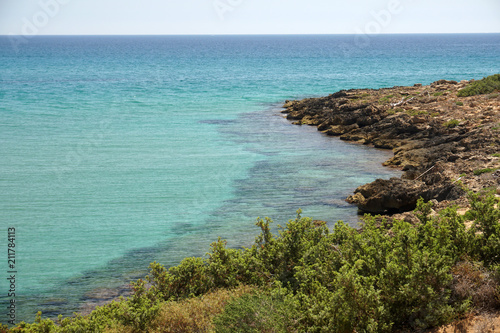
(388,275)
(486,85)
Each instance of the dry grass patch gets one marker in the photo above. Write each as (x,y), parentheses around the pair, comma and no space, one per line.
(196,314)
(473,281)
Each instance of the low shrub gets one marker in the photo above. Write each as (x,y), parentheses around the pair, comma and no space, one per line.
(481,171)
(486,216)
(386,99)
(452,123)
(486,85)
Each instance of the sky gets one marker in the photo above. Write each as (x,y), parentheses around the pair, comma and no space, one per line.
(166,17)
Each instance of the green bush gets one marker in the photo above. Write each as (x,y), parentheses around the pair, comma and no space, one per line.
(394,111)
(481,171)
(452,123)
(486,216)
(486,85)
(386,99)
(382,278)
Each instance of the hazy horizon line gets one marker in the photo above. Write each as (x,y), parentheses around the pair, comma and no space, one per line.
(261,34)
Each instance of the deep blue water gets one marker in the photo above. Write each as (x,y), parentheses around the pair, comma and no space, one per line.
(118,151)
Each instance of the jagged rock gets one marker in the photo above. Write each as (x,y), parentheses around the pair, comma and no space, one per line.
(387,195)
(419,123)
(339,129)
(441,82)
(398,195)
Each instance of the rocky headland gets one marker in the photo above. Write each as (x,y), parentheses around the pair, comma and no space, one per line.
(442,142)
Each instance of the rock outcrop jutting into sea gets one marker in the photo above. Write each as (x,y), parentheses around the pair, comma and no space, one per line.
(440,141)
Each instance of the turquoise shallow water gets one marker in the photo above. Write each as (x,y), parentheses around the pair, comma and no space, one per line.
(118,151)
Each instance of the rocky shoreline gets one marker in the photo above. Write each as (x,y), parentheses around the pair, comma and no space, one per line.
(442,142)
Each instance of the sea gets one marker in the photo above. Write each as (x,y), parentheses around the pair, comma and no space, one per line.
(117,151)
